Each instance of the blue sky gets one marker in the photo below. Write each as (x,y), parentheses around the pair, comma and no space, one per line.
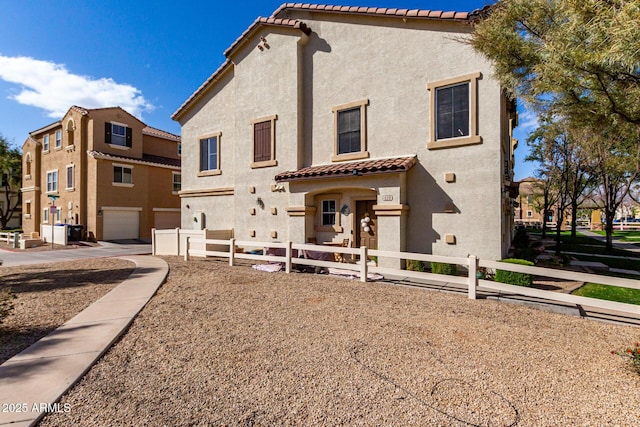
(146,56)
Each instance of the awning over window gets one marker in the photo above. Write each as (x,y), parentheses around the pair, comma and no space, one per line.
(350,169)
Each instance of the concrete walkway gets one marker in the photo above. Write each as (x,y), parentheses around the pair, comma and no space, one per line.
(618,244)
(33,380)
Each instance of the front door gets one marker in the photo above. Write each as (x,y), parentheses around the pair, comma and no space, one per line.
(366,229)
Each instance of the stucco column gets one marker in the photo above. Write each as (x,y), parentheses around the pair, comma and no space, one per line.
(392,227)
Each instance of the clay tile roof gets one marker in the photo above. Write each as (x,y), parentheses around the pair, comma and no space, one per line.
(160,133)
(146,159)
(457,16)
(290,23)
(348,170)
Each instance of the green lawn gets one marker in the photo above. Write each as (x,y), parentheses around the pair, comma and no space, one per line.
(628,236)
(610,293)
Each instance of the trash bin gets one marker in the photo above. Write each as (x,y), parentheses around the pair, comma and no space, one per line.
(74,232)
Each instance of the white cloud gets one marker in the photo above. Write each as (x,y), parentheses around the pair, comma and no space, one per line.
(52,87)
(527,120)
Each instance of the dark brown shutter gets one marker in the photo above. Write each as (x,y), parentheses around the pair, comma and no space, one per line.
(107,133)
(128,137)
(204,155)
(262,141)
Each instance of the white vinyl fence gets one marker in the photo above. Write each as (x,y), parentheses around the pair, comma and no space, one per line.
(291,254)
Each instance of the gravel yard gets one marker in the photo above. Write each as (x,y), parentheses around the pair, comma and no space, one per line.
(50,294)
(232,346)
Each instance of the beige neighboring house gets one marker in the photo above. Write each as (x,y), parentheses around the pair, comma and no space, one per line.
(380,127)
(113,174)
(528,212)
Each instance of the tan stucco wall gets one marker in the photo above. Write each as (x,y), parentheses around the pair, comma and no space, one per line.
(387,62)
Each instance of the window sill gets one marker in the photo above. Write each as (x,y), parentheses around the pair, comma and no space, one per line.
(119,147)
(45,151)
(27,216)
(122,184)
(454,142)
(52,192)
(210,172)
(70,189)
(329,229)
(59,148)
(175,193)
(71,147)
(264,164)
(26,177)
(350,156)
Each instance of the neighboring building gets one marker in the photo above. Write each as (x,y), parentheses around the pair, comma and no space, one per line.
(5,204)
(323,116)
(113,174)
(529,211)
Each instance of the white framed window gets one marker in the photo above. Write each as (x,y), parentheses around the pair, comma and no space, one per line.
(71,170)
(118,135)
(52,181)
(45,215)
(350,131)
(177,182)
(529,214)
(45,143)
(58,139)
(210,154)
(454,112)
(58,214)
(328,214)
(123,175)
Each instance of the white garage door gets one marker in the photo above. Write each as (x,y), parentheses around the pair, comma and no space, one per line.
(121,225)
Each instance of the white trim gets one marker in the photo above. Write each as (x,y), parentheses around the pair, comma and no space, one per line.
(57,180)
(117,208)
(119,147)
(122,184)
(166,209)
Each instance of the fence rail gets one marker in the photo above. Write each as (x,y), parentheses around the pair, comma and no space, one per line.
(292,254)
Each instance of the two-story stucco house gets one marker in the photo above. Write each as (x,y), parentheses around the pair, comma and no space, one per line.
(112,174)
(327,123)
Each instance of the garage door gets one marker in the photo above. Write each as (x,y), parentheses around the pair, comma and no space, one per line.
(166,220)
(119,225)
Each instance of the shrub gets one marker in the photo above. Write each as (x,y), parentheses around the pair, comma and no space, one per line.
(6,303)
(415,265)
(632,353)
(444,268)
(512,277)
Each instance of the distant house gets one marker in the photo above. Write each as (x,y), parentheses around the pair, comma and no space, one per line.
(113,174)
(379,127)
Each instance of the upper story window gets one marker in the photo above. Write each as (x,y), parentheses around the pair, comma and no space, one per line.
(71,177)
(123,175)
(27,164)
(350,131)
(210,154)
(52,181)
(58,139)
(45,143)
(264,142)
(179,149)
(177,182)
(117,135)
(454,112)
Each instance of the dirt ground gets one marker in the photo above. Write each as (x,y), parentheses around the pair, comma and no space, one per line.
(47,295)
(222,345)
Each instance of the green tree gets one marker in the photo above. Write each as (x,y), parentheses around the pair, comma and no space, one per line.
(575,58)
(11,171)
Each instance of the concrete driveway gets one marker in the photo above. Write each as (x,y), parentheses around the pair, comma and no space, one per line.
(105,249)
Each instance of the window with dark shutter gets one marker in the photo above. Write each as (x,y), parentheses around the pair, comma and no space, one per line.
(262,141)
(107,133)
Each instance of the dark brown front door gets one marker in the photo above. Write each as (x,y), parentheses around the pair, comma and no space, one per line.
(364,209)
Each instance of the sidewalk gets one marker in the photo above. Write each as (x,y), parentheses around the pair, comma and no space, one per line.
(33,380)
(106,249)
(616,243)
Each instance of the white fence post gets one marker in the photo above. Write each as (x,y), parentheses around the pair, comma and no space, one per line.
(153,242)
(186,249)
(178,241)
(363,264)
(473,279)
(287,263)
(232,251)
